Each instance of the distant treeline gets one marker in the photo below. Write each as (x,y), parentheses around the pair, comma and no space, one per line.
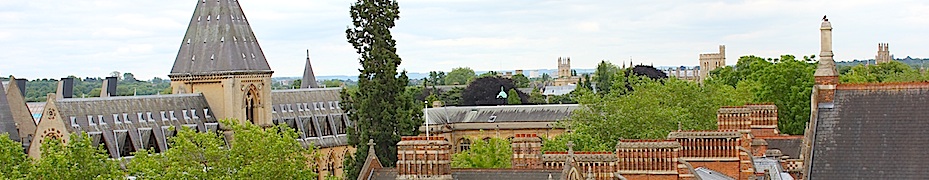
(916,63)
(127,85)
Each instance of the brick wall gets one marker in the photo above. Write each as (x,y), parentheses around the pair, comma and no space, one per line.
(423,157)
(527,151)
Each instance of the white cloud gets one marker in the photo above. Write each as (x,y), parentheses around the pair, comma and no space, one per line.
(53,39)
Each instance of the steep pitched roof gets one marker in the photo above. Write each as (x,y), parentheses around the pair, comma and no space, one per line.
(7,124)
(309,79)
(219,40)
(324,125)
(875,131)
(142,121)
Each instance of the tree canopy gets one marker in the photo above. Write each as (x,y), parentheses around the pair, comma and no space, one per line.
(495,152)
(253,153)
(460,76)
(484,90)
(653,108)
(785,81)
(382,108)
(893,71)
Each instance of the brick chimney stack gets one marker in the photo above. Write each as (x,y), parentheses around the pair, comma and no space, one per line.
(527,151)
(826,76)
(421,157)
(65,88)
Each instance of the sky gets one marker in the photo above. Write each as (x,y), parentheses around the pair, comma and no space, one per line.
(91,38)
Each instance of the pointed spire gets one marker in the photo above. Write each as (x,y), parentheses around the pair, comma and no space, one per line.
(219,40)
(309,79)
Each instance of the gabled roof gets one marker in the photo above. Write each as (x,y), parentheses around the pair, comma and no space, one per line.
(873,131)
(219,40)
(129,123)
(7,124)
(315,113)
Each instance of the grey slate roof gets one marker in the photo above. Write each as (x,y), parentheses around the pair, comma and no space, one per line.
(219,40)
(511,113)
(788,147)
(7,124)
(129,123)
(315,113)
(872,134)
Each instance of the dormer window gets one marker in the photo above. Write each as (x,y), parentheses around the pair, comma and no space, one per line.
(116,119)
(102,122)
(206,112)
(126,118)
(193,112)
(91,121)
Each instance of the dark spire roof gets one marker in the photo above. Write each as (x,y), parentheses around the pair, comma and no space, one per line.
(219,40)
(7,124)
(309,79)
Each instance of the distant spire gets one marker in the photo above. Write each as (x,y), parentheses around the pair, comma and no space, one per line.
(309,79)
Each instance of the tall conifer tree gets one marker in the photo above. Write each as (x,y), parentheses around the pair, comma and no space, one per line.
(382,111)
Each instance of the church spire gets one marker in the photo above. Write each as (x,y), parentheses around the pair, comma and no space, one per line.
(309,79)
(219,40)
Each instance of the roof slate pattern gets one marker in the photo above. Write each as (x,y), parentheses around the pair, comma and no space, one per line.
(219,40)
(315,114)
(129,123)
(514,113)
(788,147)
(872,134)
(7,124)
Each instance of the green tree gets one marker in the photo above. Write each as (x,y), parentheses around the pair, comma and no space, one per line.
(785,81)
(512,97)
(604,76)
(78,159)
(460,76)
(253,153)
(651,110)
(493,153)
(489,74)
(382,109)
(520,80)
(15,163)
(893,71)
(296,84)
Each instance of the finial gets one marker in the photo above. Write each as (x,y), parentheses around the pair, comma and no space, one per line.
(824,18)
(371,143)
(570,147)
(307,53)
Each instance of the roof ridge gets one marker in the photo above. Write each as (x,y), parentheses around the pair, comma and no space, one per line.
(884,85)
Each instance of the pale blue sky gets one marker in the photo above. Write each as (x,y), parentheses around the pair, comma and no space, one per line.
(53,39)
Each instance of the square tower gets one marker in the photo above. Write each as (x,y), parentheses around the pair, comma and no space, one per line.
(220,57)
(711,61)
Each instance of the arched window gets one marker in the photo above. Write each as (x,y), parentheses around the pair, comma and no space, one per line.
(464,144)
(251,103)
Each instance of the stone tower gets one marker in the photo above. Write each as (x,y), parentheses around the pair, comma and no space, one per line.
(564,67)
(220,57)
(883,53)
(309,79)
(711,61)
(825,76)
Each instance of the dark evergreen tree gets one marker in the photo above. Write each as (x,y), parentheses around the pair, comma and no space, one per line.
(381,107)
